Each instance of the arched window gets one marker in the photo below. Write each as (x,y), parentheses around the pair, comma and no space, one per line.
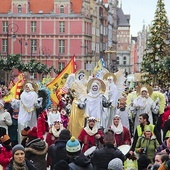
(117,60)
(62,9)
(19,9)
(124,60)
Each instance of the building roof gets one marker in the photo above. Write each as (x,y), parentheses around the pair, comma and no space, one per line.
(5,6)
(41,6)
(123,20)
(76,6)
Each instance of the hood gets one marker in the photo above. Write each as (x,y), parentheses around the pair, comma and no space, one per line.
(61,143)
(82,160)
(37,146)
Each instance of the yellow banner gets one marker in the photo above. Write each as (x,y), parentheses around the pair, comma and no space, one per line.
(15,90)
(56,85)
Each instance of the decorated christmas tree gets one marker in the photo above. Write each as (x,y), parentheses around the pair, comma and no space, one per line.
(155,59)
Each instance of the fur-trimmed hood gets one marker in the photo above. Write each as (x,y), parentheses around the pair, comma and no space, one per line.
(37,146)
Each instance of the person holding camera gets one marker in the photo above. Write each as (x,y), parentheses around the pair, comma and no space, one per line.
(147,144)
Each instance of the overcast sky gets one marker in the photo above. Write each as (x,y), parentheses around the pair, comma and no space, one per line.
(142,11)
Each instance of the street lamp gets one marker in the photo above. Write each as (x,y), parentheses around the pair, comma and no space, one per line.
(109,52)
(11,28)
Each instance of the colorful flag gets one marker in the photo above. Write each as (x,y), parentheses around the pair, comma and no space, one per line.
(57,84)
(15,90)
(98,68)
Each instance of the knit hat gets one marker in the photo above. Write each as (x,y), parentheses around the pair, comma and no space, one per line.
(73,147)
(61,165)
(65,134)
(25,131)
(115,164)
(147,128)
(5,139)
(16,148)
(2,131)
(33,133)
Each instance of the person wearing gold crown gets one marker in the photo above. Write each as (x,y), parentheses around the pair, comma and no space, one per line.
(143,104)
(78,89)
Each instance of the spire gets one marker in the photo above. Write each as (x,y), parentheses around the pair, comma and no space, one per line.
(121,4)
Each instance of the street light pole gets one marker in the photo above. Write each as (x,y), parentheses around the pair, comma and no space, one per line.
(109,52)
(13,29)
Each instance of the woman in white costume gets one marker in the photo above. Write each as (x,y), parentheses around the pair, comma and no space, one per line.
(27,111)
(143,104)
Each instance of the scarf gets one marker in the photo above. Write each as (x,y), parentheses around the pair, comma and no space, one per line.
(21,166)
(118,129)
(55,131)
(92,131)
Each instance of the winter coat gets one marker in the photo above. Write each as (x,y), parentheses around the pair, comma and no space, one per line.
(29,165)
(147,146)
(101,157)
(123,138)
(36,151)
(58,152)
(5,157)
(81,163)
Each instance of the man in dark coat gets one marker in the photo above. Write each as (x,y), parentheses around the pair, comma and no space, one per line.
(103,156)
(58,151)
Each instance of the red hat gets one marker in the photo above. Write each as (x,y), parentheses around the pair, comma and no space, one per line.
(33,132)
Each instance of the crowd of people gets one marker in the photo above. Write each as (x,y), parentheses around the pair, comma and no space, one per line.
(100,124)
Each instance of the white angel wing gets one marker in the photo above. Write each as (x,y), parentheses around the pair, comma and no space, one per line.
(120,81)
(159,99)
(70,80)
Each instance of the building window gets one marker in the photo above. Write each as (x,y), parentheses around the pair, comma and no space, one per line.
(117,60)
(124,60)
(4,45)
(62,9)
(33,46)
(19,9)
(61,65)
(62,26)
(33,26)
(4,26)
(61,46)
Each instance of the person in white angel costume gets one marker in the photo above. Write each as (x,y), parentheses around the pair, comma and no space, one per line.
(96,101)
(27,111)
(114,88)
(143,104)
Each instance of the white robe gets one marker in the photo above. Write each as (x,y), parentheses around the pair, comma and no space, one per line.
(27,112)
(124,116)
(94,107)
(143,105)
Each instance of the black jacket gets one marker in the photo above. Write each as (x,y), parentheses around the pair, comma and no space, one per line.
(58,152)
(29,165)
(81,163)
(103,156)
